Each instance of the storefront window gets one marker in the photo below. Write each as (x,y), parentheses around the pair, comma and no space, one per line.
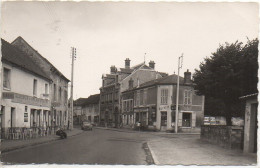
(186,119)
(163,118)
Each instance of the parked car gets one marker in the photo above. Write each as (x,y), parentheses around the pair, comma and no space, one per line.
(86,125)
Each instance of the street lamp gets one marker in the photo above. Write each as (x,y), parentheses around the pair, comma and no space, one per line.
(180,60)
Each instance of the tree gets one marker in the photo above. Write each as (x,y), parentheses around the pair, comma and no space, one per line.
(227,74)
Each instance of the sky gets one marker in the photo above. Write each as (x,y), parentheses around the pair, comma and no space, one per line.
(106,33)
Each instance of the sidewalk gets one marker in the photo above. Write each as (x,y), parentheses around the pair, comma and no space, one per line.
(10,145)
(190,150)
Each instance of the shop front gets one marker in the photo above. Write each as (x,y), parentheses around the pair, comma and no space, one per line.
(141,116)
(21,114)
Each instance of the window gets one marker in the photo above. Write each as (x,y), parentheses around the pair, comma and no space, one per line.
(128,105)
(54,92)
(141,97)
(164,96)
(124,106)
(187,97)
(6,80)
(35,87)
(46,88)
(65,96)
(138,98)
(145,97)
(60,94)
(131,105)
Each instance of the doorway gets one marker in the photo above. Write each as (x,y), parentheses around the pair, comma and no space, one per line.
(12,117)
(186,119)
(163,120)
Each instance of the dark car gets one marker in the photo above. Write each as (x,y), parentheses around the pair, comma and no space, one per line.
(86,125)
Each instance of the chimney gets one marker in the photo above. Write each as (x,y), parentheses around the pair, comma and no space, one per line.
(113,69)
(127,63)
(151,64)
(187,77)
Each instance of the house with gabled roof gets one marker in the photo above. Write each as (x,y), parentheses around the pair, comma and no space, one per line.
(25,105)
(87,109)
(58,87)
(154,104)
(118,81)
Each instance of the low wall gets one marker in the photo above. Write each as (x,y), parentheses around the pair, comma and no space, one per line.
(226,136)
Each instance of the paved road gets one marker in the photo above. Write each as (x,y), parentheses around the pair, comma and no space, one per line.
(91,147)
(129,148)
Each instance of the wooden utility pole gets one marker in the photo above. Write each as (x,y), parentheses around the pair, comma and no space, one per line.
(180,59)
(71,86)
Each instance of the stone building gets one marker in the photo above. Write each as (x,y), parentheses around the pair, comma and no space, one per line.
(25,87)
(154,104)
(118,81)
(58,87)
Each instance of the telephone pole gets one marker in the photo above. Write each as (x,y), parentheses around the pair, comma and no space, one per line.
(73,49)
(180,59)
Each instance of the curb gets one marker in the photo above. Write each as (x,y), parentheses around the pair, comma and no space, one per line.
(34,144)
(153,154)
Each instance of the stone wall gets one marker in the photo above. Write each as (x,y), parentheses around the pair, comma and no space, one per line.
(226,136)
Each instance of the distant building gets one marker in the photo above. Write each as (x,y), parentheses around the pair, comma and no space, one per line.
(58,88)
(154,104)
(25,88)
(118,81)
(77,110)
(87,109)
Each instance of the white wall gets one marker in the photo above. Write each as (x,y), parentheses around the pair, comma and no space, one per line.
(22,82)
(166,108)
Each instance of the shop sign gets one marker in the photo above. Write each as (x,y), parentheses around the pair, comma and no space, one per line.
(164,107)
(55,104)
(24,99)
(8,95)
(141,110)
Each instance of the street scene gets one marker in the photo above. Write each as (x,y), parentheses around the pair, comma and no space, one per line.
(129,83)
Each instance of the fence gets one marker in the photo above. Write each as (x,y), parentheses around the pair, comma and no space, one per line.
(17,133)
(225,136)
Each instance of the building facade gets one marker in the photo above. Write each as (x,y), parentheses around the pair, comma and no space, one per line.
(118,81)
(87,109)
(25,103)
(58,88)
(90,109)
(154,104)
